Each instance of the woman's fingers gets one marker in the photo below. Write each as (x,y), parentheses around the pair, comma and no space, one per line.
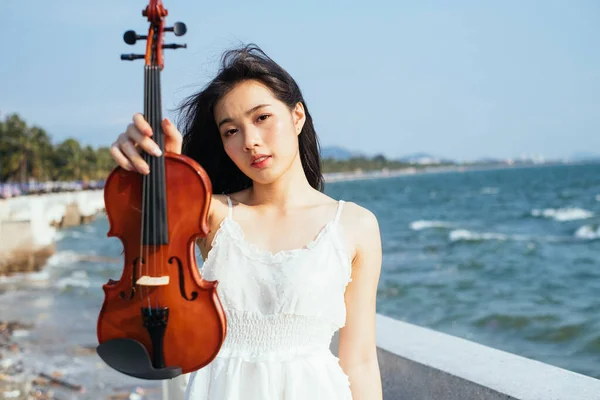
(142,125)
(126,151)
(143,140)
(120,158)
(129,150)
(173,138)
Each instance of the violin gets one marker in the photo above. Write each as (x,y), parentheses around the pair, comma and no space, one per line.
(161,318)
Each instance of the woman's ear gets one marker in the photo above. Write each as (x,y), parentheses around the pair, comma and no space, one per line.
(299,117)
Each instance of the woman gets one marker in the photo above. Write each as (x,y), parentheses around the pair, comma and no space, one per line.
(293,265)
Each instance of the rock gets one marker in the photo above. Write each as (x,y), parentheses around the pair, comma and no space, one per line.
(72,216)
(28,226)
(25,259)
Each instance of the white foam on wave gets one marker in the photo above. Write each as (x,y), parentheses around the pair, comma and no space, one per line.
(63,258)
(588,232)
(42,211)
(425,224)
(489,190)
(76,279)
(466,235)
(39,276)
(563,214)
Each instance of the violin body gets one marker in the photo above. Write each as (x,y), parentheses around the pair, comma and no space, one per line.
(195,328)
(160,319)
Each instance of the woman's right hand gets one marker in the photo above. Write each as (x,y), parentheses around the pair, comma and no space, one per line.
(126,150)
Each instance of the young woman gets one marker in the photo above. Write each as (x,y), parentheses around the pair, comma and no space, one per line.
(293,264)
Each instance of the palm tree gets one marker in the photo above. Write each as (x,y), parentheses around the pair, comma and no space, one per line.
(69,160)
(40,157)
(15,148)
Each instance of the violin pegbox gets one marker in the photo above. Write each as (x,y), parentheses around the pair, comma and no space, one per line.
(156,13)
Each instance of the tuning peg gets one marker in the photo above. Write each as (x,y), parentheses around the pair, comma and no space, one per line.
(130,37)
(174,46)
(131,57)
(178,29)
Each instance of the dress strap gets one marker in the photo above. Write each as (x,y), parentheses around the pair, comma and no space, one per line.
(339,210)
(230,206)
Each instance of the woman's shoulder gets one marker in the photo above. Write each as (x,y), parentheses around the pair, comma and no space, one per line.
(358,222)
(218,210)
(219,206)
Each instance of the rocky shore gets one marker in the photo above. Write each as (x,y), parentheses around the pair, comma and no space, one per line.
(30,227)
(29,224)
(20,381)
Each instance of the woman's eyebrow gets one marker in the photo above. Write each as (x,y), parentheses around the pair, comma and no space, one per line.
(250,111)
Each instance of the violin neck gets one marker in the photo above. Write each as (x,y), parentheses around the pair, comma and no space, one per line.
(154,214)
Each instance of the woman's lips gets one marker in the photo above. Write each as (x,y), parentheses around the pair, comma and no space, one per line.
(261,162)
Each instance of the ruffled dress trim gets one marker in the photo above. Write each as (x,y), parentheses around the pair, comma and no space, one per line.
(264,256)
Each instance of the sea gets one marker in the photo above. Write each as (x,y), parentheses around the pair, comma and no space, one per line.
(509,258)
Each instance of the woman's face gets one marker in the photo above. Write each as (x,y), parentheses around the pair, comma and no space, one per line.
(253,123)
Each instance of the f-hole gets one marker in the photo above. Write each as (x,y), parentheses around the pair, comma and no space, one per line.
(182,280)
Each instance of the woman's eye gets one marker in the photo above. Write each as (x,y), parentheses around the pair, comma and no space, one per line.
(264,117)
(230,132)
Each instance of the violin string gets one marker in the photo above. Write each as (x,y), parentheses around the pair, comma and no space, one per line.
(163,187)
(140,262)
(146,187)
(154,175)
(138,265)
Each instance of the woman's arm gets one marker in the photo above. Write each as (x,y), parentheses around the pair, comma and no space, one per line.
(357,344)
(218,209)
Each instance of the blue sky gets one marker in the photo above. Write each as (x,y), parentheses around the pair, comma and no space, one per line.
(455,79)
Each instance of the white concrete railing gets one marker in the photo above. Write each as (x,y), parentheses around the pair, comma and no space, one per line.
(418,363)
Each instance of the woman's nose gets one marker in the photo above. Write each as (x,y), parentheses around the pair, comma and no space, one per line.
(251,137)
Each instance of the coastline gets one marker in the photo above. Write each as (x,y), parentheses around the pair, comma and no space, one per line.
(29,227)
(29,224)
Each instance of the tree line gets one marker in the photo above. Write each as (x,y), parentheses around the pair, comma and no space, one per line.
(27,153)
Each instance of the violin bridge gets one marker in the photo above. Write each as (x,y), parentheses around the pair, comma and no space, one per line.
(146,280)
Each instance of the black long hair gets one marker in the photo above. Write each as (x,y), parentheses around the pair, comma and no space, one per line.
(201,138)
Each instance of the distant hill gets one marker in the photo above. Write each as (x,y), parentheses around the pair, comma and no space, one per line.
(342,154)
(338,153)
(424,158)
(585,156)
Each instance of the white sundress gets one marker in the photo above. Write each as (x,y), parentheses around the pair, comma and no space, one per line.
(282,310)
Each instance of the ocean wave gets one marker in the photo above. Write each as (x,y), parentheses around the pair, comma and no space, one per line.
(489,190)
(589,232)
(563,214)
(513,321)
(63,258)
(559,334)
(76,279)
(598,197)
(469,236)
(425,224)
